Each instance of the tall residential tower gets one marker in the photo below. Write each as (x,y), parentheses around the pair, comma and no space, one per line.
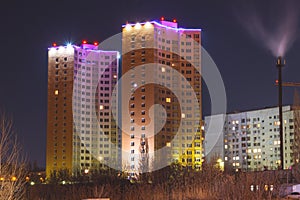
(161,95)
(81,130)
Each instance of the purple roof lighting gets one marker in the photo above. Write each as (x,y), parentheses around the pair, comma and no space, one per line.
(168,27)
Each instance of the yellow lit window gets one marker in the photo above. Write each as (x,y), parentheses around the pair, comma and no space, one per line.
(101,107)
(56,92)
(277,123)
(168,100)
(163,69)
(168,144)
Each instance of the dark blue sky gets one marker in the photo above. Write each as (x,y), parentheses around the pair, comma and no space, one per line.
(29,27)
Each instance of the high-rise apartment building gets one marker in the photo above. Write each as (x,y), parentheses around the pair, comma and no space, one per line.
(250,140)
(162,63)
(81,130)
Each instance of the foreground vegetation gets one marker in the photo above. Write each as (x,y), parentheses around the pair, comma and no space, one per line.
(173,182)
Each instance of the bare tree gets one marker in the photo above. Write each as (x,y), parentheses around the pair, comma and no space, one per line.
(12,162)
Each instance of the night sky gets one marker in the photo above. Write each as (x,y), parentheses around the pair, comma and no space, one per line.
(29,28)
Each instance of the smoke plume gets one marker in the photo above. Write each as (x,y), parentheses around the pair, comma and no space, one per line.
(279,33)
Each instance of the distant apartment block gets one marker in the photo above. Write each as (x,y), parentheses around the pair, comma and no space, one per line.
(250,140)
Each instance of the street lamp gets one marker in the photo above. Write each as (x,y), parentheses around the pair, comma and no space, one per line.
(220,164)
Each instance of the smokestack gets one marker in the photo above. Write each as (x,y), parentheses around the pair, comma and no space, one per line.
(280,63)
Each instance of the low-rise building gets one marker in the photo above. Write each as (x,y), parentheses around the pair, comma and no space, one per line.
(250,140)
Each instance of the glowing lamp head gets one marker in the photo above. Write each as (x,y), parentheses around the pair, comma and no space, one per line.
(128,27)
(147,24)
(162,19)
(54,44)
(276,81)
(137,26)
(174,20)
(84,42)
(69,45)
(96,43)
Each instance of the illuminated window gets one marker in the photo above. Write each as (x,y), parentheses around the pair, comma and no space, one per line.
(56,92)
(168,100)
(277,123)
(163,69)
(101,107)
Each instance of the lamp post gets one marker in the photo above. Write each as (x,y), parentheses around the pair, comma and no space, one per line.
(280,63)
